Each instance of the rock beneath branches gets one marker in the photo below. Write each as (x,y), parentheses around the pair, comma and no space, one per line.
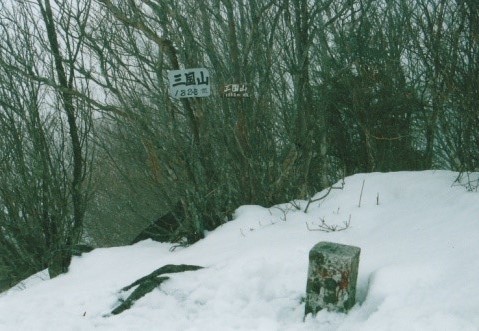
(164,228)
(79,249)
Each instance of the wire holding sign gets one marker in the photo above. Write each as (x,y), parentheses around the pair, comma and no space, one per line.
(189,83)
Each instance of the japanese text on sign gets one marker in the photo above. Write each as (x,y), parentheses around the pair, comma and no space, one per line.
(235,91)
(189,83)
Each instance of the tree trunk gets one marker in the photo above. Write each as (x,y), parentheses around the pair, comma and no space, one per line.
(61,257)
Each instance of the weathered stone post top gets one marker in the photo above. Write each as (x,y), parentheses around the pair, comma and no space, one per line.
(332,277)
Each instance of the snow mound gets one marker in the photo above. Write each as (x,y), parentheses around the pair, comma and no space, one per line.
(418,267)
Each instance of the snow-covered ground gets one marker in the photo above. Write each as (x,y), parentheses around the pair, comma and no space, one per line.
(419,268)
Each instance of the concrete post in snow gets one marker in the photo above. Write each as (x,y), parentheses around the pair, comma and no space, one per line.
(332,277)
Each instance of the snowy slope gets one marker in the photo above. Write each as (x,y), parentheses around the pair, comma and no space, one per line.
(418,269)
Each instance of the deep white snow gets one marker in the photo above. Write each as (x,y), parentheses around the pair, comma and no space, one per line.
(419,268)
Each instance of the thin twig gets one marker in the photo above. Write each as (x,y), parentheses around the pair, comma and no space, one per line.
(324,227)
(361,195)
(324,196)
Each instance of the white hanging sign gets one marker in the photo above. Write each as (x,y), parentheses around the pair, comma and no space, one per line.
(189,83)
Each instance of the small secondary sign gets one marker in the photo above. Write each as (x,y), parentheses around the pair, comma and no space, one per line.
(235,91)
(189,83)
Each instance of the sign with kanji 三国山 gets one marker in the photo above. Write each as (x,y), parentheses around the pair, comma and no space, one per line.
(235,91)
(189,83)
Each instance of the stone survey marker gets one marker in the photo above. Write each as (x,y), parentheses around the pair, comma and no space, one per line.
(332,277)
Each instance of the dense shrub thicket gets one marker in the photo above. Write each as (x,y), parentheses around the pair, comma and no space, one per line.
(94,148)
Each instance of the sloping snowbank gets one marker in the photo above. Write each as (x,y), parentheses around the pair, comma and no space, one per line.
(418,269)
